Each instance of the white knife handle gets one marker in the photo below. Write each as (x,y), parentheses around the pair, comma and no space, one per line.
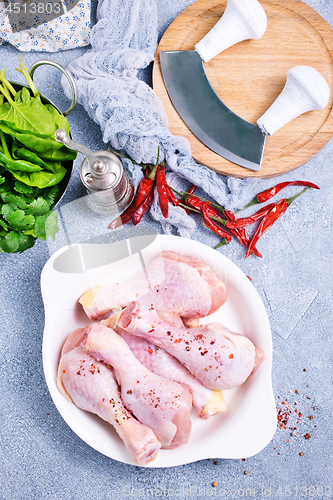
(305,90)
(242,19)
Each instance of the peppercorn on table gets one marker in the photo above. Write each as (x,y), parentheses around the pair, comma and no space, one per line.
(40,454)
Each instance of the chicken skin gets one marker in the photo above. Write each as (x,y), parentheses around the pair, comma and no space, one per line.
(159,403)
(219,358)
(177,287)
(205,401)
(92,387)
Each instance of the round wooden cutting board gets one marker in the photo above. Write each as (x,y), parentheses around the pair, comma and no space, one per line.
(250,75)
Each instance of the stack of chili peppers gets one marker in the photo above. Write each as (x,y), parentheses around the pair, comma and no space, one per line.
(267,215)
(154,176)
(214,215)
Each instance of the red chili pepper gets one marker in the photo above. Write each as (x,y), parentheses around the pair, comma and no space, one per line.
(146,186)
(236,232)
(247,221)
(269,193)
(266,222)
(240,233)
(192,189)
(212,225)
(171,196)
(137,216)
(195,202)
(162,190)
(279,209)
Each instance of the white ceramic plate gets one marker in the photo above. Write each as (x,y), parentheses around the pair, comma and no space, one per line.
(250,421)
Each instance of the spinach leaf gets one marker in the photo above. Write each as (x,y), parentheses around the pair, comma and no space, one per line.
(30,156)
(31,141)
(59,119)
(41,179)
(26,114)
(25,166)
(7,84)
(24,71)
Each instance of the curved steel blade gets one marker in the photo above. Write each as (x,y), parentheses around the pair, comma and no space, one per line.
(205,114)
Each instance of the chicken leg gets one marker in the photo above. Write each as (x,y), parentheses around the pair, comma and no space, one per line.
(219,358)
(177,287)
(161,404)
(92,387)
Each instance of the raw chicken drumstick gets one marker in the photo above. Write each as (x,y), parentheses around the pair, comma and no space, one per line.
(205,401)
(161,404)
(178,287)
(92,387)
(219,358)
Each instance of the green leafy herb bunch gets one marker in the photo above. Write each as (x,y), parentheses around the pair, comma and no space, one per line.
(32,165)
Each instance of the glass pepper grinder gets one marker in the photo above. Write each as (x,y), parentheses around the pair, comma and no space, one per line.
(108,186)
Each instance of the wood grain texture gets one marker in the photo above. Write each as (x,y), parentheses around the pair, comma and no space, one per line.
(249,76)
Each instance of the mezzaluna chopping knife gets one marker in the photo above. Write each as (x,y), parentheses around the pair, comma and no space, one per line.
(212,122)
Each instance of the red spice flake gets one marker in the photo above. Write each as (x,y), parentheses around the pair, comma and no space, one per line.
(103,399)
(177,341)
(129,391)
(199,336)
(150,331)
(283,417)
(169,333)
(204,352)
(150,351)
(78,373)
(231,356)
(212,342)
(307,435)
(300,414)
(63,371)
(138,381)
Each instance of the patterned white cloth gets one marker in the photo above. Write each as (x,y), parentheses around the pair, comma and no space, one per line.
(45,25)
